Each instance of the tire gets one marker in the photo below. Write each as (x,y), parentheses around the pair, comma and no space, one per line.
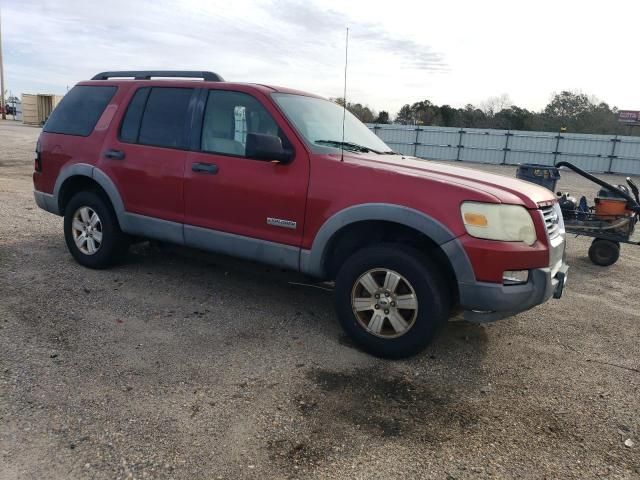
(102,244)
(604,252)
(372,323)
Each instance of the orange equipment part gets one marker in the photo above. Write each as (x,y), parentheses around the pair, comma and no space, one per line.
(611,206)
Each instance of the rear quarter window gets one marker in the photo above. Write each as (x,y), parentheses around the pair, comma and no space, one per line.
(79,110)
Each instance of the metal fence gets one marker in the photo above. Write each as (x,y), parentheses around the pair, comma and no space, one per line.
(594,153)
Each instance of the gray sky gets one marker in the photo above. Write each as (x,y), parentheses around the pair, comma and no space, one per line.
(447,51)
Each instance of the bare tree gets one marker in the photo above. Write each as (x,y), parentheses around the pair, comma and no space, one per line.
(493,105)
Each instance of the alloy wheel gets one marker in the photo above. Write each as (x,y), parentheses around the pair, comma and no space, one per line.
(384,303)
(86,228)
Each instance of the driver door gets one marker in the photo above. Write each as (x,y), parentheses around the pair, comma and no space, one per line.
(226,192)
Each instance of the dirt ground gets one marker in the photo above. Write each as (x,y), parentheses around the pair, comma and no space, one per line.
(179,364)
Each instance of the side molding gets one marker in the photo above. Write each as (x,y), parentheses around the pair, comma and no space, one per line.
(312,261)
(150,227)
(280,255)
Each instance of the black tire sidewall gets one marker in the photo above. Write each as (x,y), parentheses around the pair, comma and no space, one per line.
(604,252)
(429,285)
(112,237)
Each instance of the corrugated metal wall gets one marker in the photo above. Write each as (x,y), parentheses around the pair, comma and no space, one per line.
(594,153)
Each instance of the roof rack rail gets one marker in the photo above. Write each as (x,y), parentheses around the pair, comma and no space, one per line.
(148,74)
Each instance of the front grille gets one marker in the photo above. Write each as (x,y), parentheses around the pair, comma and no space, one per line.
(551,220)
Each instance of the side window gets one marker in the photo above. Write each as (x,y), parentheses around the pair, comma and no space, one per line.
(157,116)
(79,110)
(228,117)
(130,127)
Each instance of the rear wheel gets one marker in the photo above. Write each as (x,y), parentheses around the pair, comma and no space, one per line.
(92,232)
(604,252)
(391,300)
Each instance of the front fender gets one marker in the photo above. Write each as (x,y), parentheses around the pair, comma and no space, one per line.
(312,262)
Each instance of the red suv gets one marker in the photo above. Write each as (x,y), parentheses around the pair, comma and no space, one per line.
(272,174)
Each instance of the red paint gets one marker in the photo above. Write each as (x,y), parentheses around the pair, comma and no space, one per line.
(158,182)
(245,192)
(150,179)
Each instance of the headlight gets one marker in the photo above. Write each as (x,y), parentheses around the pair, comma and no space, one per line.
(508,223)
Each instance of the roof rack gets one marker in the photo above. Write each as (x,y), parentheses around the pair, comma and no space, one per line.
(148,74)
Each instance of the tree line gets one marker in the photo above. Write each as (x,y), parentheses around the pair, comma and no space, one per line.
(575,112)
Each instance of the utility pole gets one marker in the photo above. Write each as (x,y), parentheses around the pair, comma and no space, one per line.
(2,104)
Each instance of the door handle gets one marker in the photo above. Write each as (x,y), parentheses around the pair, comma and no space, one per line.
(209,168)
(114,154)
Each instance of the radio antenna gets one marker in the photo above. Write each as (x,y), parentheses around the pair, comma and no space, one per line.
(344,96)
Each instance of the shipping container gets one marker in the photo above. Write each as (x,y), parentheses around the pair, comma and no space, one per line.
(36,108)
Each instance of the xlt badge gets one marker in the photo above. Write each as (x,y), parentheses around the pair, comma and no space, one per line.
(279,222)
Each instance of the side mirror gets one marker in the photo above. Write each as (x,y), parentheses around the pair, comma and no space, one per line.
(261,146)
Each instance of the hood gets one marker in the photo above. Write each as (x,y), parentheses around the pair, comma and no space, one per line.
(505,189)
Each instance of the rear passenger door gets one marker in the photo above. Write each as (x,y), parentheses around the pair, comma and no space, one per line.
(146,155)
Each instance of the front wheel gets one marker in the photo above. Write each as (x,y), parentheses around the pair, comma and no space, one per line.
(604,252)
(92,232)
(391,300)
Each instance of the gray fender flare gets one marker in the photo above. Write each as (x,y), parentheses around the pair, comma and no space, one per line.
(86,170)
(312,261)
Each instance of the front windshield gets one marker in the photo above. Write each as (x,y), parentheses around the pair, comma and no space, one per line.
(320,122)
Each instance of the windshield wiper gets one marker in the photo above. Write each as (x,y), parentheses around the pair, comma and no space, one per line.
(350,146)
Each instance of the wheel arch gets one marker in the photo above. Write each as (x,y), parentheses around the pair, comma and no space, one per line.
(342,234)
(81,176)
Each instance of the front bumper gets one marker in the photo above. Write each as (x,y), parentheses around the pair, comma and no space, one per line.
(487,302)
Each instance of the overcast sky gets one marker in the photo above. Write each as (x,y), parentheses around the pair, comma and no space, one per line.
(454,52)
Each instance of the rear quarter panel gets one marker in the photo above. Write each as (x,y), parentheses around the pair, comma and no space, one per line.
(59,150)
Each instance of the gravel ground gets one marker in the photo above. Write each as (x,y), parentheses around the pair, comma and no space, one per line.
(183,365)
